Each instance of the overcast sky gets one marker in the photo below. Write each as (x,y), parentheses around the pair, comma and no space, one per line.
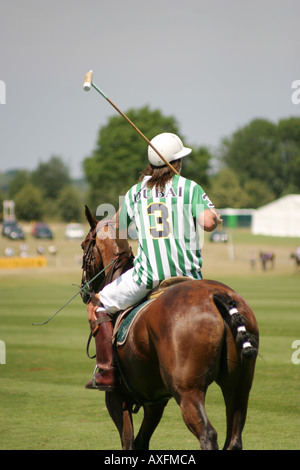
(212,64)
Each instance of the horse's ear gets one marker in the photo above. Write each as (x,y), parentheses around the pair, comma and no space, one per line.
(90,218)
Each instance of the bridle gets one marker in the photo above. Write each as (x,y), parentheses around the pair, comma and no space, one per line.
(89,265)
(92,263)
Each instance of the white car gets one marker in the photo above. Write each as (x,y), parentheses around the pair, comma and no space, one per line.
(74,231)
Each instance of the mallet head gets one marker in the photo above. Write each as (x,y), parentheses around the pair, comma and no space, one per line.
(88,81)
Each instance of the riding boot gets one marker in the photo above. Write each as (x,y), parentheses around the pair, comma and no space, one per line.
(102,330)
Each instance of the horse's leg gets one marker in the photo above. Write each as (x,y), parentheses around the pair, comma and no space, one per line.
(195,417)
(121,416)
(236,411)
(152,416)
(236,395)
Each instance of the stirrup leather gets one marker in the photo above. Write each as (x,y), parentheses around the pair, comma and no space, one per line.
(95,324)
(94,330)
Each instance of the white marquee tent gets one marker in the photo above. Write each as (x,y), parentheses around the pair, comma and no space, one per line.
(280,218)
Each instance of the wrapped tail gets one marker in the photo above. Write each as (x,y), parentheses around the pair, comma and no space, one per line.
(245,341)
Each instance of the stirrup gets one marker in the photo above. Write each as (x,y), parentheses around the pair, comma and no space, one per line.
(94,377)
(104,387)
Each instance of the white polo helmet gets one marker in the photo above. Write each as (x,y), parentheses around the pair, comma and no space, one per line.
(170,146)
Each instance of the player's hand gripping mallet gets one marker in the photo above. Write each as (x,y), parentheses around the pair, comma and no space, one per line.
(88,82)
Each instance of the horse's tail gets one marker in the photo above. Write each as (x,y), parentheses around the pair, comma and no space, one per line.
(245,341)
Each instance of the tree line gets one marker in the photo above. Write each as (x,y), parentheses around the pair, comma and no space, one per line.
(258,163)
(47,193)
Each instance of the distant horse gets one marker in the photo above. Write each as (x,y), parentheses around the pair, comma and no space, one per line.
(192,334)
(266,259)
(296,257)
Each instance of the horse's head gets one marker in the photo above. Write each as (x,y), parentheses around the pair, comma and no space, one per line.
(92,260)
(100,247)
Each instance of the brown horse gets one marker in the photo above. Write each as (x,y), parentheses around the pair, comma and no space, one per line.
(296,257)
(267,259)
(192,334)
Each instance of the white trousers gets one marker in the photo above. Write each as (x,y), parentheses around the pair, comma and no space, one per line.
(123,293)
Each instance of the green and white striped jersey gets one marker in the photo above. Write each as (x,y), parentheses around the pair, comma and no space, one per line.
(169,242)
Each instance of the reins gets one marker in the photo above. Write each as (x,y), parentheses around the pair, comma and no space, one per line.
(89,258)
(84,288)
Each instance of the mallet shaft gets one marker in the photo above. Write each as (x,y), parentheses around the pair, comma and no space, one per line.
(139,132)
(87,85)
(99,91)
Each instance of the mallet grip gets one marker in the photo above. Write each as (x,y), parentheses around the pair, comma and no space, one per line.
(88,80)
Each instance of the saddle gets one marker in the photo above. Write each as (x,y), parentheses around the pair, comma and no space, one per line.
(165,284)
(127,317)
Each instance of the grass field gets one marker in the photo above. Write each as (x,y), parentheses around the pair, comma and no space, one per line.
(43,402)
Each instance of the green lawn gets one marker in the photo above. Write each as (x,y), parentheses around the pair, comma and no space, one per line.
(43,402)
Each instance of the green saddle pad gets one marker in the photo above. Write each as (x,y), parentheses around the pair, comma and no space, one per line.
(123,329)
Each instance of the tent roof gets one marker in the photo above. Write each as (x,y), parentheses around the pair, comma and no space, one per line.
(278,218)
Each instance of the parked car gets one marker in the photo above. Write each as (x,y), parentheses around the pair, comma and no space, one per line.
(41,230)
(12,230)
(219,236)
(74,231)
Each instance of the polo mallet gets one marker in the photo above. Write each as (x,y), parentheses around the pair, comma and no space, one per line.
(88,82)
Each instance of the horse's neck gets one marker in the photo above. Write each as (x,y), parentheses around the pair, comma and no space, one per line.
(122,246)
(111,249)
(111,246)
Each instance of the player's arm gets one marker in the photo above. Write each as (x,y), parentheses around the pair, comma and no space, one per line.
(209,219)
